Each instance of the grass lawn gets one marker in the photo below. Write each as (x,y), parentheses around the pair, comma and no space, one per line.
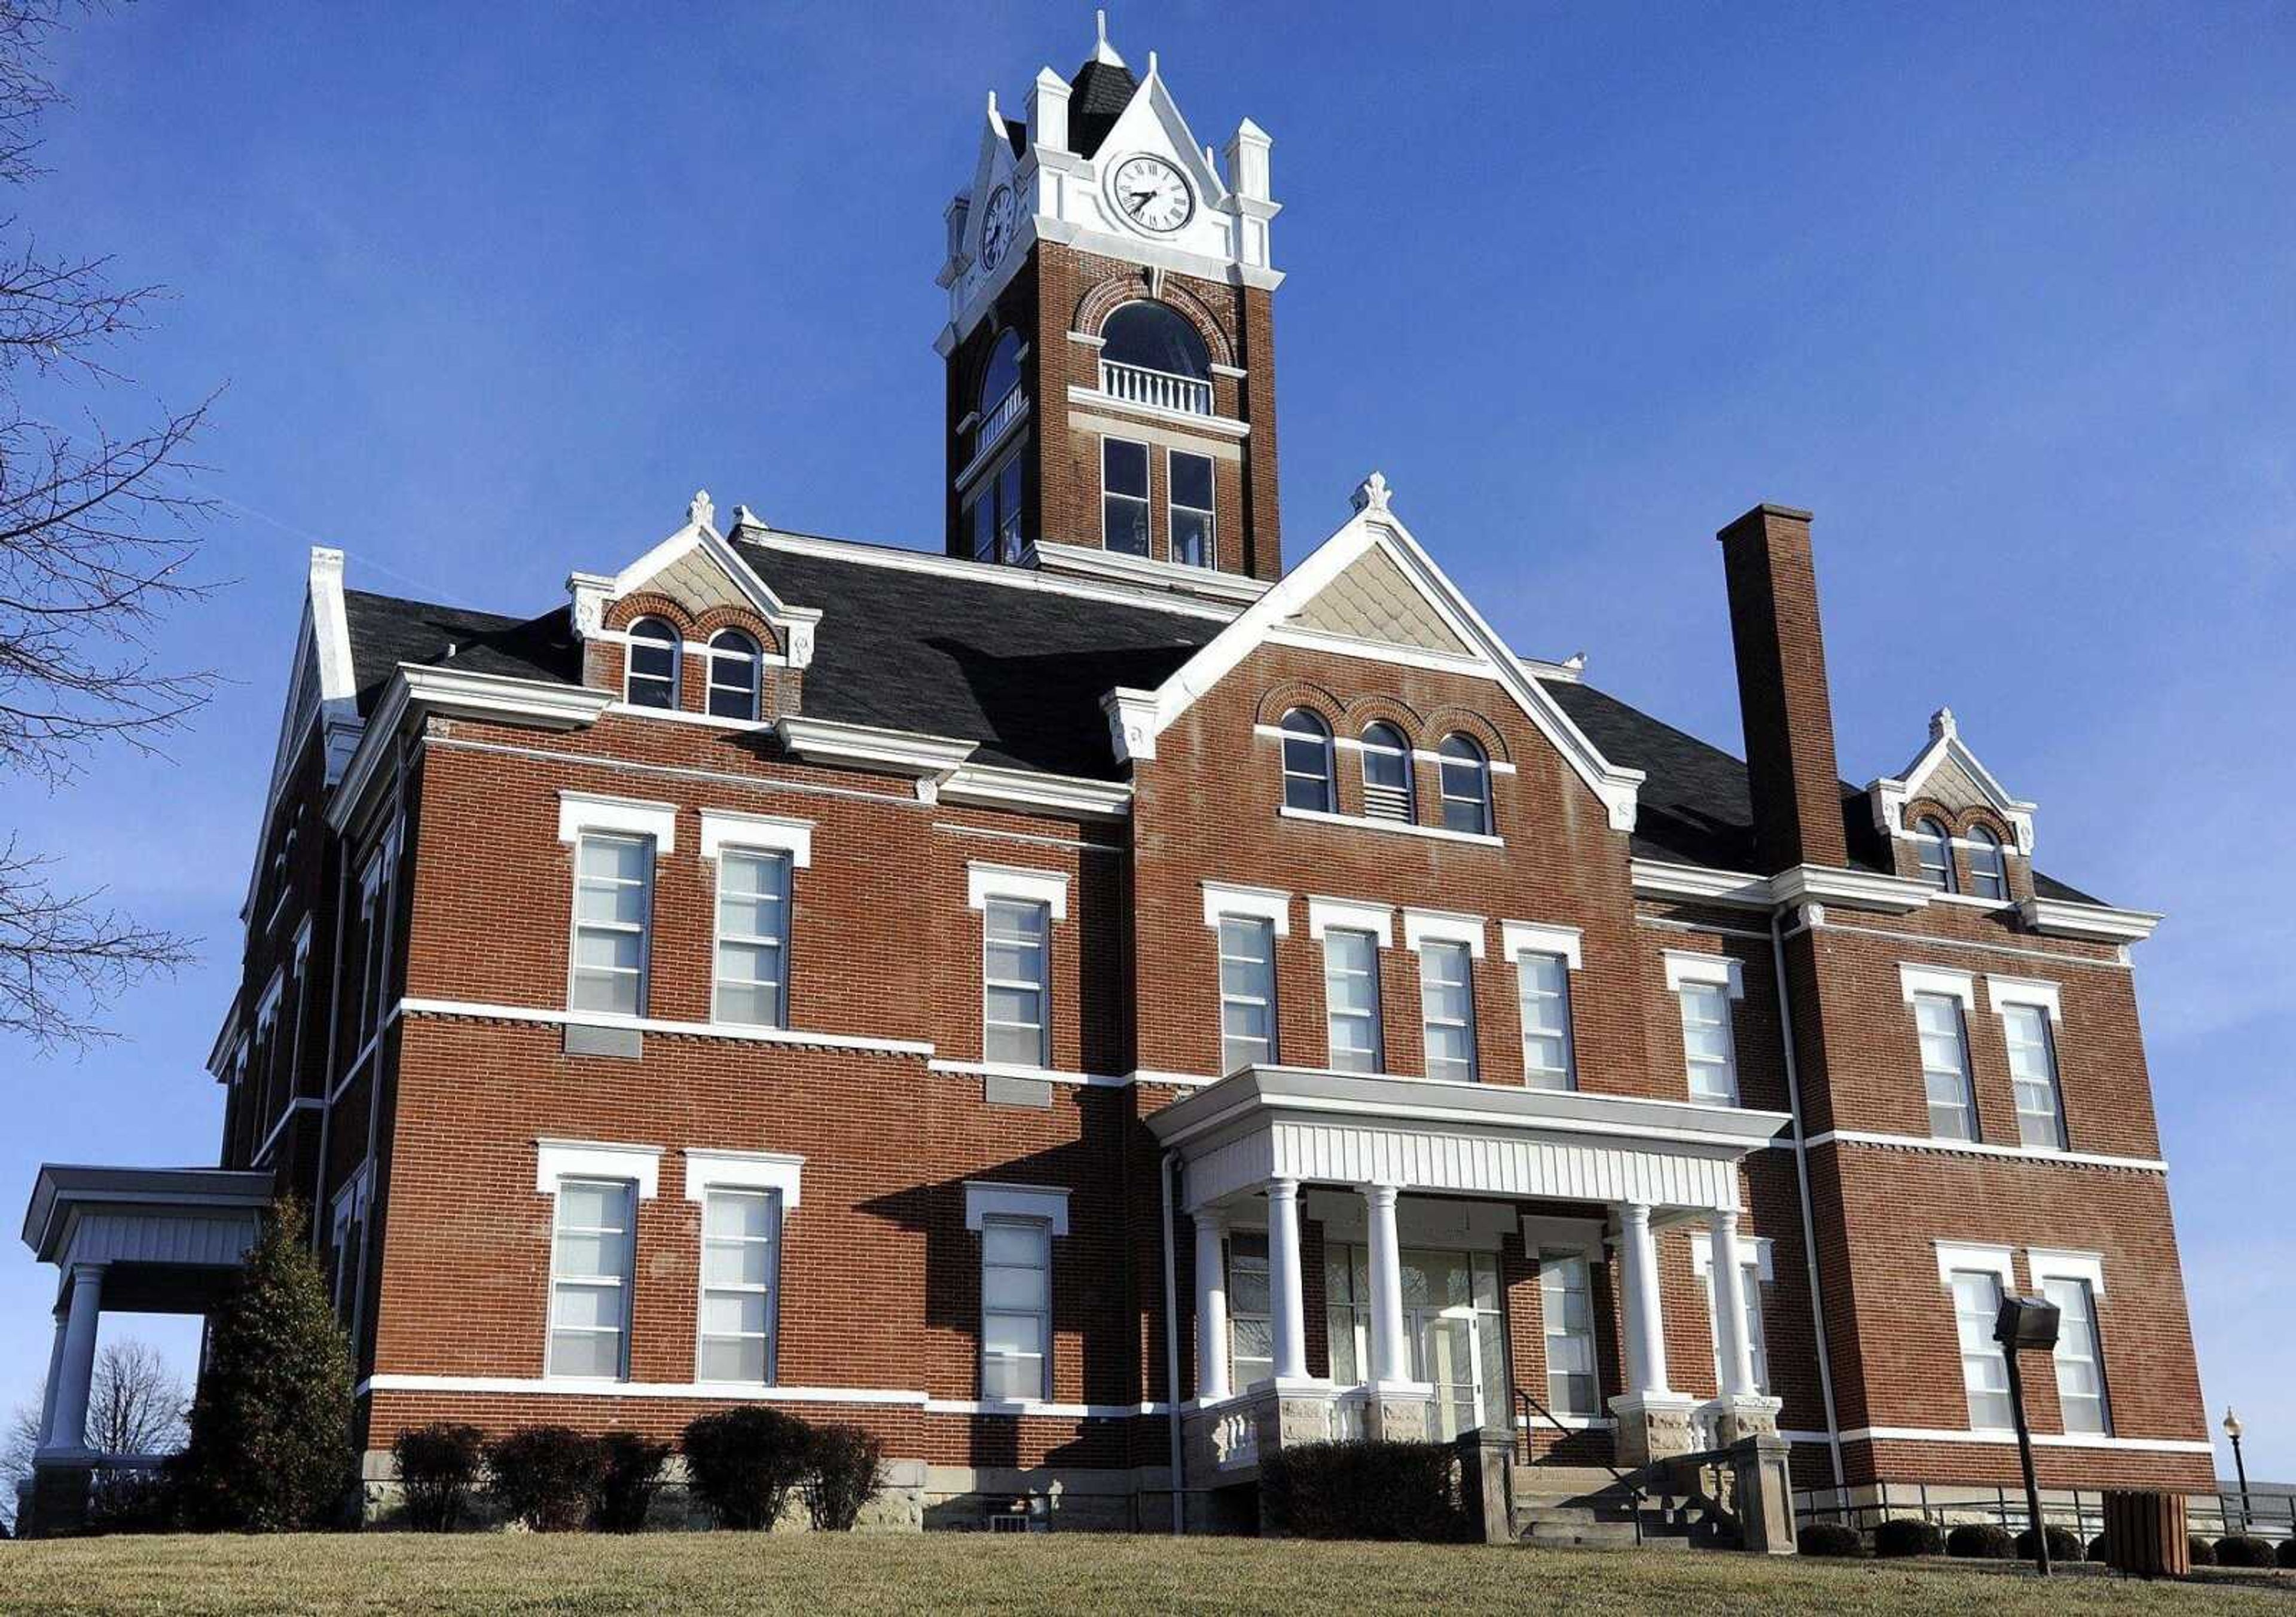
(739,1571)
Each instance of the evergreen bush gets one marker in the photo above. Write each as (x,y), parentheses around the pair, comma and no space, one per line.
(2286,1553)
(546,1477)
(743,1463)
(2202,1552)
(438,1466)
(1909,1536)
(1831,1539)
(1364,1488)
(2065,1545)
(1980,1541)
(2240,1549)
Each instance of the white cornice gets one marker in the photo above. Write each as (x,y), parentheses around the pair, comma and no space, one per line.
(867,747)
(1147,573)
(1850,889)
(989,786)
(2099,923)
(982,572)
(1658,878)
(417,690)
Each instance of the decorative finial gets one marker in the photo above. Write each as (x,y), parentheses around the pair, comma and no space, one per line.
(1151,64)
(700,510)
(1577,659)
(1942,726)
(1101,50)
(992,106)
(744,517)
(1371,493)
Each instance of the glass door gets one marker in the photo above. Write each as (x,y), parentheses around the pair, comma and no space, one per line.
(1445,1352)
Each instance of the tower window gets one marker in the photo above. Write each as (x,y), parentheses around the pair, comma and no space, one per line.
(1155,336)
(1002,373)
(1936,854)
(995,515)
(1124,496)
(1193,520)
(654,654)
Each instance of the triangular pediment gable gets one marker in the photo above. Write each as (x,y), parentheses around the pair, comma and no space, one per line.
(1300,609)
(1948,772)
(1151,122)
(697,569)
(1374,599)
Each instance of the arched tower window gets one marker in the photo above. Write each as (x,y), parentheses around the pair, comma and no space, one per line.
(655,652)
(1150,354)
(733,675)
(1002,373)
(1387,775)
(1466,786)
(1936,855)
(1988,870)
(1308,782)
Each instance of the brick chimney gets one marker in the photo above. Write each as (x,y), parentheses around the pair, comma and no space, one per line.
(1783,696)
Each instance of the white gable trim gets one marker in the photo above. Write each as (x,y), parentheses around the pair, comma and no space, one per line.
(1373,526)
(1889,794)
(593,593)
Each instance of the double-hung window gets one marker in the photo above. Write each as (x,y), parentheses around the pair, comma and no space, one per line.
(995,513)
(655,651)
(1945,1066)
(1446,1008)
(734,675)
(740,1230)
(1984,1372)
(1246,982)
(1387,766)
(1193,521)
(614,882)
(1705,987)
(1351,1000)
(1753,1269)
(1543,986)
(753,908)
(1016,971)
(1567,1306)
(1989,867)
(1250,1310)
(2033,1069)
(592,1269)
(2080,1355)
(1307,775)
(1016,1307)
(1124,496)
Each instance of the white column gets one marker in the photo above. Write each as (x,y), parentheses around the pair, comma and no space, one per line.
(1646,1324)
(1211,1308)
(1285,1299)
(67,1427)
(1388,1359)
(1730,1305)
(55,1374)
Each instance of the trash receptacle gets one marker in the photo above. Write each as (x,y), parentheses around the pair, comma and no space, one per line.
(2145,1534)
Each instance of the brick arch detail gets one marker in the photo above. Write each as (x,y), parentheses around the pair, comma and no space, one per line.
(1364,711)
(736,618)
(1105,298)
(1443,721)
(1280,699)
(1918,809)
(643,603)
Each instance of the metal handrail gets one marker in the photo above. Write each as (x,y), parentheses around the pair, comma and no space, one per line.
(1634,1493)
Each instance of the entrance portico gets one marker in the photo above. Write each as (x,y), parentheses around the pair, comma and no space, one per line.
(1426,1171)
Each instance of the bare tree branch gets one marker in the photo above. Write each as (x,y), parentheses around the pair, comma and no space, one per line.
(64,953)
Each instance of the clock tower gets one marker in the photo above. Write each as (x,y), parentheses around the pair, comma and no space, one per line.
(1110,345)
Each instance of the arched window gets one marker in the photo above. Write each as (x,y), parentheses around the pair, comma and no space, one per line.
(733,675)
(1155,336)
(1002,373)
(1307,782)
(1936,854)
(1466,786)
(1988,871)
(655,652)
(1387,775)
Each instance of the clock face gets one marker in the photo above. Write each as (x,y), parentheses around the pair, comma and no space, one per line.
(997,227)
(1151,193)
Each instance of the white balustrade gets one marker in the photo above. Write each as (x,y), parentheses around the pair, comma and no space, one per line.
(1236,1439)
(1156,389)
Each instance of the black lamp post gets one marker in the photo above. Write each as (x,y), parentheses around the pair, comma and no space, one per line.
(2026,1322)
(2239,1466)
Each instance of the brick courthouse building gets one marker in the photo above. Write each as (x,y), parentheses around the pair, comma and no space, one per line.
(1094,1000)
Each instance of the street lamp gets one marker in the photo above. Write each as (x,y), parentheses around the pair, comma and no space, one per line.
(2027,1322)
(2239,1466)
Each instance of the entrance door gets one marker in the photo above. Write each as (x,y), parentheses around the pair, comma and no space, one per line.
(1444,1350)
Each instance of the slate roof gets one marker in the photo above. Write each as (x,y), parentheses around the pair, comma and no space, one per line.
(1021,672)
(1097,96)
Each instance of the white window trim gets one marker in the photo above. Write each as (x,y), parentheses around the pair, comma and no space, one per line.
(1023,885)
(1755,1252)
(985,1199)
(581,811)
(1234,902)
(1913,981)
(759,833)
(1519,938)
(559,1159)
(1684,966)
(714,1170)
(1970,1257)
(1422,927)
(2047,1264)
(1348,915)
(2002,993)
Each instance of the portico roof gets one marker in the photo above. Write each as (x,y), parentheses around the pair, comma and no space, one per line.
(159,1230)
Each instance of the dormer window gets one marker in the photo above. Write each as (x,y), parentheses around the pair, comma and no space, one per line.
(1308,763)
(1150,354)
(655,652)
(1935,851)
(733,675)
(1387,775)
(1988,870)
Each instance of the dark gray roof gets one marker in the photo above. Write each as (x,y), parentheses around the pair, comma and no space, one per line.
(386,631)
(1097,96)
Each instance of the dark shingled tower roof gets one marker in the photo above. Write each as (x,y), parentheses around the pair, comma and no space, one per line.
(1097,96)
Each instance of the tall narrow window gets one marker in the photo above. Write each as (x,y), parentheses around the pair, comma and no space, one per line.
(1250,1310)
(613,891)
(1988,867)
(1543,986)
(1387,775)
(1193,521)
(1124,496)
(591,1270)
(1308,763)
(1466,776)
(2033,1067)
(1932,846)
(1351,1000)
(655,652)
(2079,1356)
(1446,1006)
(1016,1308)
(1247,980)
(753,938)
(1015,1029)
(733,675)
(999,378)
(995,513)
(1945,1066)
(739,1232)
(1984,1373)
(1566,1303)
(1758,1342)
(1707,1047)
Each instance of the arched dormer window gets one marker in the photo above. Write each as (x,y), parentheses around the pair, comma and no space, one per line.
(1151,355)
(733,675)
(1988,870)
(655,651)
(1466,786)
(1308,782)
(1387,775)
(1936,854)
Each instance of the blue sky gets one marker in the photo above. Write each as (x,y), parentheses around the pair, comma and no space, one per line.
(2001,291)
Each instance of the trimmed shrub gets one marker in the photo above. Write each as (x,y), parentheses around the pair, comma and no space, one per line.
(2202,1552)
(438,1466)
(848,1468)
(1365,1489)
(1980,1541)
(133,1501)
(2065,1545)
(2097,1551)
(2240,1549)
(2286,1553)
(742,1463)
(629,1476)
(1831,1538)
(1909,1536)
(546,1477)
